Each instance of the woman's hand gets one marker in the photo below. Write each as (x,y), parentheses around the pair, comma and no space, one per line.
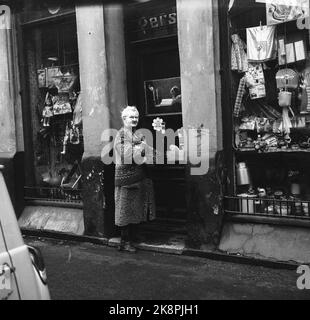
(139,153)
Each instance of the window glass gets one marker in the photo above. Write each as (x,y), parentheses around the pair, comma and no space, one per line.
(55,110)
(270,85)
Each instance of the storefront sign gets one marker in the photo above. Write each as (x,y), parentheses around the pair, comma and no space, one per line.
(152,21)
(157,22)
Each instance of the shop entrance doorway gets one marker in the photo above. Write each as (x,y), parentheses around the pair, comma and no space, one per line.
(156,64)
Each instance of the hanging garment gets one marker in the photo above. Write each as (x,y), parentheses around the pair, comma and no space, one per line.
(308,98)
(306,88)
(261,44)
(305,100)
(239,60)
(241,92)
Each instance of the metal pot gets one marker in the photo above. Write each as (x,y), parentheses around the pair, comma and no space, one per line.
(243,176)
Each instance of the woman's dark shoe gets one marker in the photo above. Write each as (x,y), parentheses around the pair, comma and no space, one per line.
(121,245)
(128,247)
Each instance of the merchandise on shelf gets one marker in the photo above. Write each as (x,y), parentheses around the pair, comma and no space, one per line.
(291,111)
(47,113)
(239,61)
(278,12)
(255,81)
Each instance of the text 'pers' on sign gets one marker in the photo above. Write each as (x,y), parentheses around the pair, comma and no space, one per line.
(160,21)
(150,22)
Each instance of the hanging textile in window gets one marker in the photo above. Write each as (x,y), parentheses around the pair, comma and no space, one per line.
(261,45)
(279,11)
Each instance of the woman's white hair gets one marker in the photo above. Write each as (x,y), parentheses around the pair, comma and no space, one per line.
(128,110)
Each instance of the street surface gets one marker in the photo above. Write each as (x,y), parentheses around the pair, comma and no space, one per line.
(86,271)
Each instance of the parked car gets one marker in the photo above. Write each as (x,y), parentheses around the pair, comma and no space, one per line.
(22,269)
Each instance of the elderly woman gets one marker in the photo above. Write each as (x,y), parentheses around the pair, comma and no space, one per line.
(134,196)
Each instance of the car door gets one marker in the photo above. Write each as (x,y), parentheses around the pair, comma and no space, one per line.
(15,260)
(8,287)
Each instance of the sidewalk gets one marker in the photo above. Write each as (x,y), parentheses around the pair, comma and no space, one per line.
(161,242)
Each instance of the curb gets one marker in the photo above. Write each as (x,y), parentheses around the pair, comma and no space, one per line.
(225,257)
(211,255)
(64,236)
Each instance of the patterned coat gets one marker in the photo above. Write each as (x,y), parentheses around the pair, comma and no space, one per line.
(134,192)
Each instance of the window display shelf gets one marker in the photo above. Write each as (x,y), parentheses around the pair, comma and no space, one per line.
(278,151)
(268,207)
(53,195)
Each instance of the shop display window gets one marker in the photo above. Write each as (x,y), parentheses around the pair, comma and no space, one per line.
(55,108)
(270,97)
